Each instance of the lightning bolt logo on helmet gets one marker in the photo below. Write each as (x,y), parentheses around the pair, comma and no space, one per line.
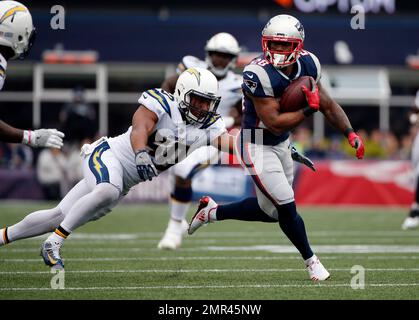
(195,73)
(11,13)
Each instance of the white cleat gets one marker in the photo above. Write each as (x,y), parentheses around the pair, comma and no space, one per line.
(51,253)
(410,223)
(202,215)
(173,236)
(316,270)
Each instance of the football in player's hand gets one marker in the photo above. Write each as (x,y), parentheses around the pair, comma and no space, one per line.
(293,98)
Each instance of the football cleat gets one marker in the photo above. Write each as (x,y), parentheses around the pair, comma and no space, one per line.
(173,236)
(316,270)
(50,252)
(202,215)
(410,223)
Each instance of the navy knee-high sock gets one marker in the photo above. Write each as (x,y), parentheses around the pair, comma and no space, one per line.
(293,226)
(245,210)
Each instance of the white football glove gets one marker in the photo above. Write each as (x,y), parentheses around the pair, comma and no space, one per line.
(145,165)
(51,138)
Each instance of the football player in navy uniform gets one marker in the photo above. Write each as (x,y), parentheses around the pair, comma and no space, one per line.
(222,51)
(263,143)
(17,34)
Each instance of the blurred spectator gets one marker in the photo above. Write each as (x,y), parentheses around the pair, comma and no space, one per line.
(78,118)
(15,156)
(58,171)
(51,173)
(391,146)
(406,147)
(334,150)
(302,139)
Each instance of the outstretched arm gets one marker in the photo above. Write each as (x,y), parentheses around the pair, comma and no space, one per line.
(225,143)
(9,133)
(51,138)
(143,123)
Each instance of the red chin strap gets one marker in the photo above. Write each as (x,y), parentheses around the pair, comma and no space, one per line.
(297,46)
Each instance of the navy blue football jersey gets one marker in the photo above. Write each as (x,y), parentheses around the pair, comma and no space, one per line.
(262,79)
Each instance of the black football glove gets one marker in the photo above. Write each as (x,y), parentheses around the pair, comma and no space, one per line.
(296,156)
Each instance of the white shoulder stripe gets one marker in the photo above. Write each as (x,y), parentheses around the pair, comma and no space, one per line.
(263,78)
(318,66)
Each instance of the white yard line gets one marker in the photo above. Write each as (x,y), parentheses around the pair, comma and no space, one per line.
(244,234)
(229,258)
(255,286)
(346,248)
(203,270)
(324,248)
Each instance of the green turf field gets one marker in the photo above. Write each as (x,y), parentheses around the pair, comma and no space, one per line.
(116,258)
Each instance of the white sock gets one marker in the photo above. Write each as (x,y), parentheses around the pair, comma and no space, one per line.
(178,210)
(55,238)
(35,224)
(310,260)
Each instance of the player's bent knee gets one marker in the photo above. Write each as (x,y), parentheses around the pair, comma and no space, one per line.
(279,196)
(106,194)
(268,207)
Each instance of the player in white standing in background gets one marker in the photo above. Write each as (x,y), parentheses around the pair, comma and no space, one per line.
(17,35)
(269,161)
(412,220)
(222,51)
(163,128)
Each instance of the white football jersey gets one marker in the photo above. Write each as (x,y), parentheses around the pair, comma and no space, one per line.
(171,140)
(229,88)
(3,67)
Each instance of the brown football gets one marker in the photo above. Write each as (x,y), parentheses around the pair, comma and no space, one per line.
(293,98)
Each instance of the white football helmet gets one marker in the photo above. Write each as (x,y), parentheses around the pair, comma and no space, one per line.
(225,43)
(16,28)
(283,28)
(201,83)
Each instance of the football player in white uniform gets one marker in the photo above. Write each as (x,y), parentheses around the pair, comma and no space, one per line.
(412,220)
(222,51)
(269,159)
(17,35)
(164,129)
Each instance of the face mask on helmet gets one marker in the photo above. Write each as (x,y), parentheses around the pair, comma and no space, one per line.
(198,107)
(219,63)
(282,40)
(197,95)
(281,51)
(28,48)
(221,53)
